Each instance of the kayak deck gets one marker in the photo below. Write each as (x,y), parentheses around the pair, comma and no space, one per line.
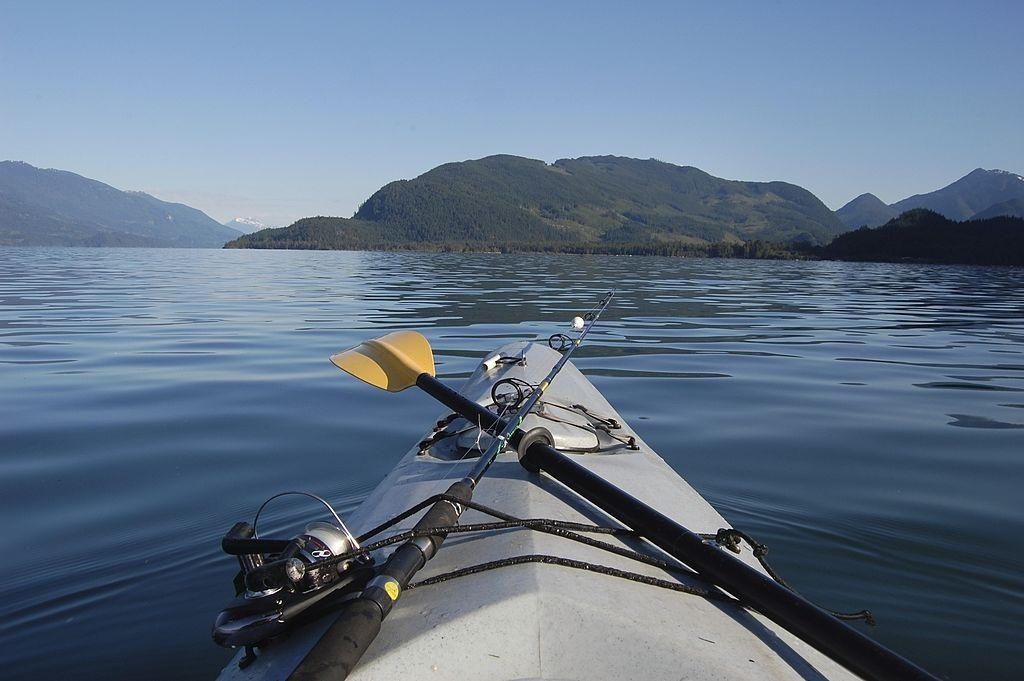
(537,620)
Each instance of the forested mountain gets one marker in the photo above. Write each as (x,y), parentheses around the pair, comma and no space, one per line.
(45,207)
(866,209)
(921,235)
(972,193)
(602,201)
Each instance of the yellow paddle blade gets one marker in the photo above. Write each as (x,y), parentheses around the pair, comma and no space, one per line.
(391,362)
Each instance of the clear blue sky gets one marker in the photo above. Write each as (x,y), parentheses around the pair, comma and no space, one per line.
(286,109)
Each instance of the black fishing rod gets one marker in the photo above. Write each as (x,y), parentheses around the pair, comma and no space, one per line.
(389,363)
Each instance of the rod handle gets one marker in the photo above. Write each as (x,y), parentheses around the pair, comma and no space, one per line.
(343,644)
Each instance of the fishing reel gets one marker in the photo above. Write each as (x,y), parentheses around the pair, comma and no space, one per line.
(283,582)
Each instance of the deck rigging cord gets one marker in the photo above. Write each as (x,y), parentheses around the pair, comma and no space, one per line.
(728,538)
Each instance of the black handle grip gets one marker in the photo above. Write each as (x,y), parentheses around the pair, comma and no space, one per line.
(339,650)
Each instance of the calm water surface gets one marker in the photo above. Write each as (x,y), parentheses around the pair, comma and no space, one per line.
(866,421)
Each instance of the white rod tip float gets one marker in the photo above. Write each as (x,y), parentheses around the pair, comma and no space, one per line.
(577,323)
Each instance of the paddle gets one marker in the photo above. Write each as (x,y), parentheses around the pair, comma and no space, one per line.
(395,362)
(403,359)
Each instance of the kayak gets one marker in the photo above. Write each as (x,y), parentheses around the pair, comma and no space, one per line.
(535,581)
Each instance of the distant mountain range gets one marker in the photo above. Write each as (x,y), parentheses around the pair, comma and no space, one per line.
(602,204)
(979,194)
(600,200)
(45,207)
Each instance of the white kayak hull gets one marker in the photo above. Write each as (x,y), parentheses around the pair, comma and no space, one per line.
(543,621)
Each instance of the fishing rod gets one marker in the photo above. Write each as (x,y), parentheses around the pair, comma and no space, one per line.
(395,362)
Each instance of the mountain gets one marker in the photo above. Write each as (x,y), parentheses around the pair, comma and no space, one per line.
(1013,207)
(45,207)
(972,193)
(922,235)
(866,209)
(246,225)
(518,202)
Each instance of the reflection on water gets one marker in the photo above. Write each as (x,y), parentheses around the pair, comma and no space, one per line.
(968,421)
(857,418)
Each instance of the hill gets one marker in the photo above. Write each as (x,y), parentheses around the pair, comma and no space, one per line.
(866,209)
(45,207)
(597,201)
(921,235)
(972,193)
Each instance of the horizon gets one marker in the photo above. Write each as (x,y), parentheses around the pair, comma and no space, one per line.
(285,112)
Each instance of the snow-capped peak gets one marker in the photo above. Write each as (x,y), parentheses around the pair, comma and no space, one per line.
(248,221)
(247,225)
(1007,172)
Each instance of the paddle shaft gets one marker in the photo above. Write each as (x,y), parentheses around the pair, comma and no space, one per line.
(820,629)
